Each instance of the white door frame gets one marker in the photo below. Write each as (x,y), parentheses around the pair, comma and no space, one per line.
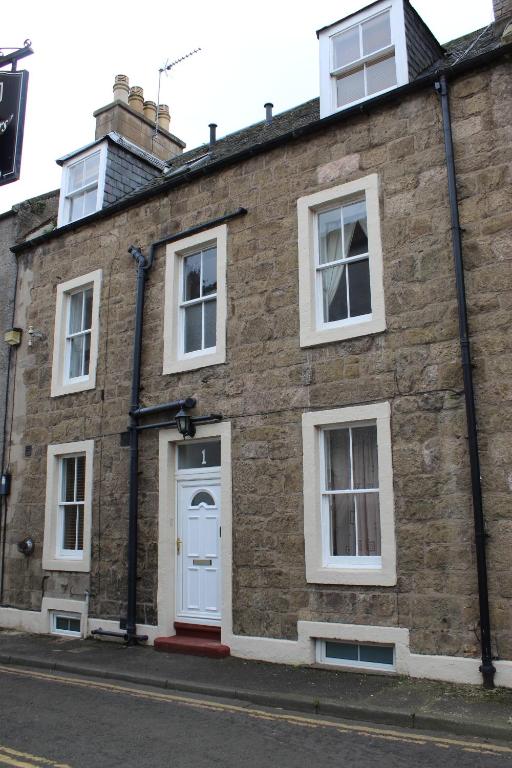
(200,479)
(166,594)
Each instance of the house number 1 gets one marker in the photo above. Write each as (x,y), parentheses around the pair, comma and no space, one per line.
(204,457)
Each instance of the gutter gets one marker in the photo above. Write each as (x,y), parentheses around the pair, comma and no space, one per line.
(318,125)
(486,668)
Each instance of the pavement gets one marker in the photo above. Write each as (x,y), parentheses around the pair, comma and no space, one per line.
(382,699)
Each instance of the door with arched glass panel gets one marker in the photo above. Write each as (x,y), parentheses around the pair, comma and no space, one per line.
(198,550)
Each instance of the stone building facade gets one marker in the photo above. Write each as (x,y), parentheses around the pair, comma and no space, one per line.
(286,595)
(21,222)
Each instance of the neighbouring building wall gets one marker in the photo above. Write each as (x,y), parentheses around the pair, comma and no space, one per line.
(8,272)
(21,222)
(502,8)
(269,381)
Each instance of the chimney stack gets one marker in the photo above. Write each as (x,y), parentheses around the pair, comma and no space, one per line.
(268,112)
(502,9)
(135,119)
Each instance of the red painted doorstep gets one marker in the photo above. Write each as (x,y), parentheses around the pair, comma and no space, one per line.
(197,630)
(192,645)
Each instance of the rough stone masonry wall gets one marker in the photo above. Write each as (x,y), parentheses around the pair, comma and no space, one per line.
(268,380)
(7,282)
(16,225)
(483,135)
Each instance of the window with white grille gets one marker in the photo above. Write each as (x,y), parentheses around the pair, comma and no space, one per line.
(349,529)
(195,301)
(68,509)
(76,334)
(82,185)
(341,291)
(362,56)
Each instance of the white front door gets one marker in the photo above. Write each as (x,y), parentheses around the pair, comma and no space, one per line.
(198,550)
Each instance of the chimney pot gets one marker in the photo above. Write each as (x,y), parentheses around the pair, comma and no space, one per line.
(136,98)
(150,111)
(164,117)
(268,112)
(121,88)
(213,133)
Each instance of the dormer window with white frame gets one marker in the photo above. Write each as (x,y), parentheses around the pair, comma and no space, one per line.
(362,56)
(83,184)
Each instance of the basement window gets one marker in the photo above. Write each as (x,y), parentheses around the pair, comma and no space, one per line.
(66,624)
(356,655)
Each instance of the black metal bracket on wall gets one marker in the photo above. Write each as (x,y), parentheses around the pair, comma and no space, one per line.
(16,54)
(212,418)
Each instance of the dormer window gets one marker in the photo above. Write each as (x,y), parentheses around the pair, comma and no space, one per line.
(83,182)
(362,56)
(363,60)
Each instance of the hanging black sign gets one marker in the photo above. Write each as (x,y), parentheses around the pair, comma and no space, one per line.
(13,99)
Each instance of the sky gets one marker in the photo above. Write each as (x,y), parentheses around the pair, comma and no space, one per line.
(250,54)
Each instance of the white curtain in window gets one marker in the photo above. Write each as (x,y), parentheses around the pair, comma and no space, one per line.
(334,246)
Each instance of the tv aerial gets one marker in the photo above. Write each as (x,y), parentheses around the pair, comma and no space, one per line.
(165,69)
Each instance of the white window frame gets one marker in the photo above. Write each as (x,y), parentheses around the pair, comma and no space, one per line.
(54,615)
(175,360)
(54,557)
(65,197)
(321,567)
(322,658)
(62,384)
(313,330)
(329,75)
(83,332)
(61,551)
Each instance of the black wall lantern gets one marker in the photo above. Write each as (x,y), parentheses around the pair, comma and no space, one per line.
(184,423)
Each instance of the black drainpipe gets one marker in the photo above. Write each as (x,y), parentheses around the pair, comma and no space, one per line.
(143,267)
(486,668)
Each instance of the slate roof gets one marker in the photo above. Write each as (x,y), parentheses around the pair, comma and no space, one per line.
(232,144)
(121,141)
(299,121)
(462,49)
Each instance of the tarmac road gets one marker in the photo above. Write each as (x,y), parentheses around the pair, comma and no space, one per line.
(66,721)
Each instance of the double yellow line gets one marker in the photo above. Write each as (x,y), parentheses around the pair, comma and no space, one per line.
(480,747)
(18,759)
